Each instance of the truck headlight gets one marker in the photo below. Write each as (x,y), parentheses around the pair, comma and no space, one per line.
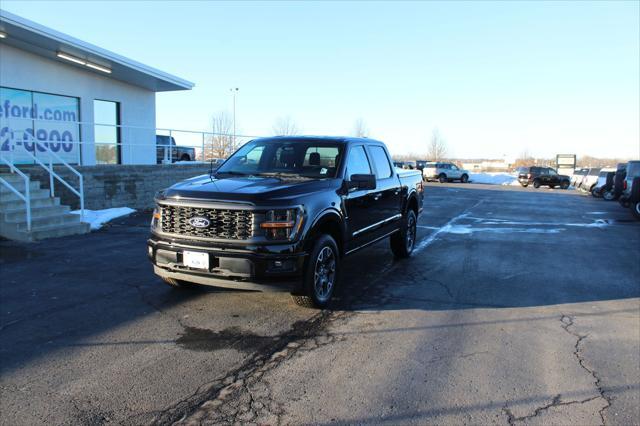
(282,224)
(156,218)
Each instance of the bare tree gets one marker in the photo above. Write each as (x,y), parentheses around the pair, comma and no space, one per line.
(360,129)
(437,148)
(220,144)
(524,159)
(285,126)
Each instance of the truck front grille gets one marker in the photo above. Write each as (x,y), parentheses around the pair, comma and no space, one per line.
(222,223)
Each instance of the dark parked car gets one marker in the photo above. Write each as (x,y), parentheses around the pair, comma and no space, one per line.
(618,183)
(542,176)
(284,212)
(166,149)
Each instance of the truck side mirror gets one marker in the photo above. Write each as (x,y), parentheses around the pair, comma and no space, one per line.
(362,182)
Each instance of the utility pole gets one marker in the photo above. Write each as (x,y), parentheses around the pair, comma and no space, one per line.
(234,91)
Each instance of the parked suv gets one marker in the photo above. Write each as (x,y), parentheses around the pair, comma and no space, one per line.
(577,176)
(444,172)
(542,176)
(618,183)
(590,180)
(604,183)
(631,188)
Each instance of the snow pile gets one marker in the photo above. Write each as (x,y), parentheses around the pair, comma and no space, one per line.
(494,178)
(97,218)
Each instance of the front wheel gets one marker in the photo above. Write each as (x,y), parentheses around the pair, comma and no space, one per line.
(464,179)
(635,210)
(403,242)
(524,185)
(609,195)
(320,275)
(442,178)
(564,184)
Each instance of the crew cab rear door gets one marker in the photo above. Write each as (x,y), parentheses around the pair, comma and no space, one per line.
(360,204)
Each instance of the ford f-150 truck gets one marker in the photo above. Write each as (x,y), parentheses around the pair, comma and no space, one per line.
(283,212)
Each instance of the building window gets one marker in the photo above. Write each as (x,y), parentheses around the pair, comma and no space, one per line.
(106,119)
(34,124)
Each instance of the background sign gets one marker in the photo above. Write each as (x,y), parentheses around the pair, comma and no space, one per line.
(32,121)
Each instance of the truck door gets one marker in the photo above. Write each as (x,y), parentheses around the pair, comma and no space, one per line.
(455,172)
(388,192)
(359,204)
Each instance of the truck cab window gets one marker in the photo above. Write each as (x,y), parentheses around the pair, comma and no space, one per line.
(380,159)
(357,162)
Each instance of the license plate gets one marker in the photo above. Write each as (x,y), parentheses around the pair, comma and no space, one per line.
(195,259)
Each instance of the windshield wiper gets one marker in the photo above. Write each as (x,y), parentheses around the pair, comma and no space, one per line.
(282,175)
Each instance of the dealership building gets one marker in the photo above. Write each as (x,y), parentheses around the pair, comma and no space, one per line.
(91,106)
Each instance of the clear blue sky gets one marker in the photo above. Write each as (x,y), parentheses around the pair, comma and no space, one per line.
(494,78)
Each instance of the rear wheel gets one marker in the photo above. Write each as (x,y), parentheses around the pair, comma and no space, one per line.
(564,184)
(552,187)
(536,183)
(185,157)
(403,242)
(464,179)
(321,274)
(524,185)
(609,195)
(595,192)
(442,178)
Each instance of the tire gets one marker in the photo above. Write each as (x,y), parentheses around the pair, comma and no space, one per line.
(174,283)
(442,178)
(609,195)
(536,183)
(185,157)
(403,242)
(321,274)
(564,184)
(464,179)
(524,185)
(595,193)
(552,187)
(635,210)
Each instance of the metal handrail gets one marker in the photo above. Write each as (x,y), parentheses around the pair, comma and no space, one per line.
(27,189)
(52,174)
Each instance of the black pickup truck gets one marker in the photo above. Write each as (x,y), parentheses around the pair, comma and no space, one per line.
(282,213)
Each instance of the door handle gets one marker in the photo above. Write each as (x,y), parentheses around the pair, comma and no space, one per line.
(376,197)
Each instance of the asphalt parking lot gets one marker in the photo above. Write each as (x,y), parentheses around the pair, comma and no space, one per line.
(519,306)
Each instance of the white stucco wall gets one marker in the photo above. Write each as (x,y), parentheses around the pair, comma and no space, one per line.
(27,71)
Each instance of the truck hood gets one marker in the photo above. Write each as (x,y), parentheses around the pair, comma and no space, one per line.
(256,190)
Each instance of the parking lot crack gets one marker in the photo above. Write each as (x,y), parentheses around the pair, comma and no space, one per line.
(568,324)
(243,395)
(556,402)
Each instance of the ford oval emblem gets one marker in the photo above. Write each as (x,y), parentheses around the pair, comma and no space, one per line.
(199,222)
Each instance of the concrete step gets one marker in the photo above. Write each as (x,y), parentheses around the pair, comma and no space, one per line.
(35,195)
(39,222)
(34,185)
(18,204)
(51,231)
(18,214)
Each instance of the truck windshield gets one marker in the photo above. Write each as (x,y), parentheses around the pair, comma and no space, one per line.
(285,158)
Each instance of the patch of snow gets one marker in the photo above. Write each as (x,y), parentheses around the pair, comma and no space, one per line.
(97,218)
(494,178)
(467,229)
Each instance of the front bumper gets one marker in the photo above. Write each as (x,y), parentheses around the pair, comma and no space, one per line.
(273,268)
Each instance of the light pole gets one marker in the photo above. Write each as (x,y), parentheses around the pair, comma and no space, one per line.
(234,91)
